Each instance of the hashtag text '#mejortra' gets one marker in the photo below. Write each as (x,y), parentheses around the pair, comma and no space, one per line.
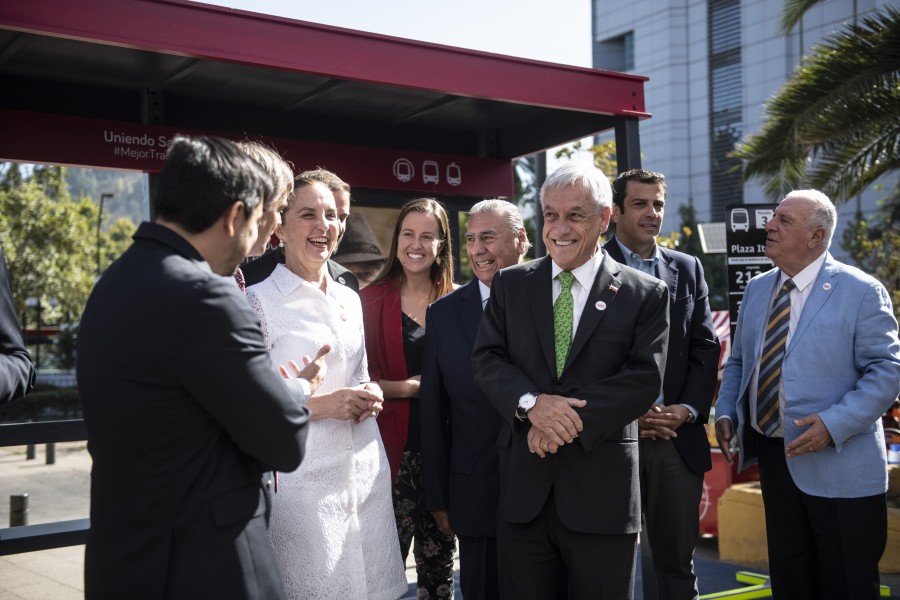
(135,154)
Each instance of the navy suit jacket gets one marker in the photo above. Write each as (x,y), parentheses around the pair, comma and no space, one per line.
(615,363)
(184,412)
(692,361)
(16,370)
(459,426)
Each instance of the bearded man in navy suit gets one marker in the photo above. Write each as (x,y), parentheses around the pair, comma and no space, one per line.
(459,426)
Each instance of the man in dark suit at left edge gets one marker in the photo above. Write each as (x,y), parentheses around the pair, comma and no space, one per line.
(183,407)
(16,368)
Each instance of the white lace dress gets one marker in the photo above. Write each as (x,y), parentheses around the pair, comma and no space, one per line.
(332,525)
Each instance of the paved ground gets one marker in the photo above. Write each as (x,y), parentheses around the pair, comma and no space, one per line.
(60,492)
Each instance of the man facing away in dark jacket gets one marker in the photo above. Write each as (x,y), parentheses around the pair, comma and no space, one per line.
(183,408)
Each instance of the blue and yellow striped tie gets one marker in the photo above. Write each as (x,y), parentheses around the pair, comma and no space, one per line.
(767,413)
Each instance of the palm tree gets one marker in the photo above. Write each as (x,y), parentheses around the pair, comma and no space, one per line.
(835,125)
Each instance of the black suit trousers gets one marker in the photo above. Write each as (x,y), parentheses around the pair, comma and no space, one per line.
(670,498)
(478,579)
(597,565)
(819,548)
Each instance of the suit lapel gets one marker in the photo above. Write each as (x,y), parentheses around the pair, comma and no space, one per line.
(539,288)
(601,296)
(666,271)
(669,274)
(756,319)
(612,248)
(818,296)
(468,303)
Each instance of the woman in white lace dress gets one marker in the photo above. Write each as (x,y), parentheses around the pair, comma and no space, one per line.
(332,521)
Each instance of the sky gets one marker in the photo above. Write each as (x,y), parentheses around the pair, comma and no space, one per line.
(551,30)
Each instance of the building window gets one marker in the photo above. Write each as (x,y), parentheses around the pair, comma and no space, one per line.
(725,103)
(615,54)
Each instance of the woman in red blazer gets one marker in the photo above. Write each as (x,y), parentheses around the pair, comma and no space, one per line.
(418,272)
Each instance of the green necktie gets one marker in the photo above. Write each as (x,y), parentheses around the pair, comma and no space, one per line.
(562,319)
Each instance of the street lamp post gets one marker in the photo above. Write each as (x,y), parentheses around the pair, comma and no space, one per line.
(103,197)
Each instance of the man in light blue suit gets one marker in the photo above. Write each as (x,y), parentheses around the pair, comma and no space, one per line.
(803,392)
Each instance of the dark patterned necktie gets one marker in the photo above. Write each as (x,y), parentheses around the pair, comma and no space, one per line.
(563,313)
(767,414)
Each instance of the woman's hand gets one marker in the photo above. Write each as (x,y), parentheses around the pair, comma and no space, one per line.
(313,370)
(375,406)
(408,388)
(346,404)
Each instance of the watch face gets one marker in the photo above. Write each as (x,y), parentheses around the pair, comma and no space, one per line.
(528,402)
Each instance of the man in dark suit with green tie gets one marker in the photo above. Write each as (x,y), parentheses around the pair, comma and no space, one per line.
(570,352)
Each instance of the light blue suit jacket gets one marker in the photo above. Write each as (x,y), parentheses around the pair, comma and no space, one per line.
(843,363)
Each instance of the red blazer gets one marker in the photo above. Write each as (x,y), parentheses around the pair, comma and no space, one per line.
(384,347)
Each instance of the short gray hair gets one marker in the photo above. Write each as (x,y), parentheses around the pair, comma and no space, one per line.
(823,215)
(592,178)
(507,210)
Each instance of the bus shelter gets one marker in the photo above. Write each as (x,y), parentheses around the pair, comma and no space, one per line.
(107,83)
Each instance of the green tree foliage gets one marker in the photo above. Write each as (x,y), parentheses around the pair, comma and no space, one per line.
(527,192)
(835,125)
(875,245)
(115,241)
(604,155)
(125,187)
(50,242)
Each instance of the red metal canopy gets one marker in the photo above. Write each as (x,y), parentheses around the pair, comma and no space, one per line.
(107,82)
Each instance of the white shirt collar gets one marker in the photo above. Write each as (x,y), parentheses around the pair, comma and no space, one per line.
(806,276)
(630,254)
(485,291)
(287,281)
(585,273)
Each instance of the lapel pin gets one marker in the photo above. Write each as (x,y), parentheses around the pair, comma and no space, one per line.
(601,305)
(613,289)
(341,280)
(826,286)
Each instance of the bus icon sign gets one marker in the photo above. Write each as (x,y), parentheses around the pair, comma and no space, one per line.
(430,173)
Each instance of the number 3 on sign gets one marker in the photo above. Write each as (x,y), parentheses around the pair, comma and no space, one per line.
(763,216)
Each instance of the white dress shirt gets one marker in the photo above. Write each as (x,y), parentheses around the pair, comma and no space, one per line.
(485,294)
(804,286)
(581,287)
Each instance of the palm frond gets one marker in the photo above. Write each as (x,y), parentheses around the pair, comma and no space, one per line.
(793,12)
(841,104)
(846,170)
